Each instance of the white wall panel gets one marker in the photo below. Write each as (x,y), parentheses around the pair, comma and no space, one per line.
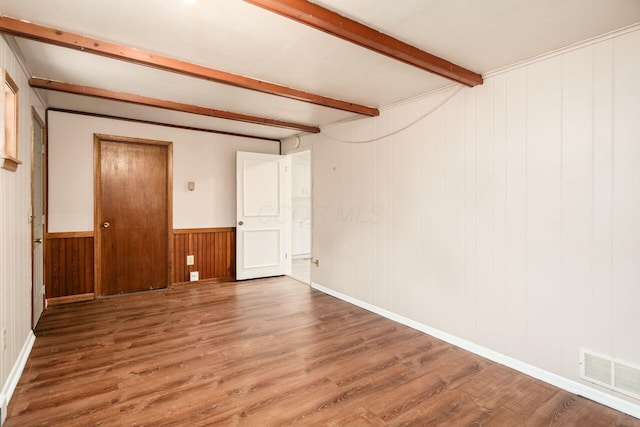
(511,214)
(544,183)
(469,300)
(499,179)
(516,212)
(626,197)
(601,306)
(205,158)
(383,228)
(577,193)
(15,229)
(484,215)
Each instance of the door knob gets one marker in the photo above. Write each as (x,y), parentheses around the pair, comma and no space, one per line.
(106,224)
(38,240)
(240,223)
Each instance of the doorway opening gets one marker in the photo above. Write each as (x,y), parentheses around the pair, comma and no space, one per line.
(301,208)
(37,216)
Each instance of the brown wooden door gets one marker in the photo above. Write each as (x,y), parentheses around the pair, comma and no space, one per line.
(133,215)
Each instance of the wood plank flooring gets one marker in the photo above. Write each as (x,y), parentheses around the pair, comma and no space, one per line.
(267,352)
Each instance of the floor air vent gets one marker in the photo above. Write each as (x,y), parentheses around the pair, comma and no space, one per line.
(613,374)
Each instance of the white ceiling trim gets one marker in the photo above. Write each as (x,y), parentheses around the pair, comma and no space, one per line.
(562,51)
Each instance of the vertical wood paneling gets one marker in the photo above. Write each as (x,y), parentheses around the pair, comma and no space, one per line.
(381,292)
(577,193)
(414,250)
(626,197)
(469,299)
(483,181)
(69,264)
(213,250)
(544,205)
(602,282)
(440,314)
(180,252)
(15,229)
(516,215)
(512,214)
(498,305)
(453,203)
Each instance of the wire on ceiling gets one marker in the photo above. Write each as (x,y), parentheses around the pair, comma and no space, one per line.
(419,119)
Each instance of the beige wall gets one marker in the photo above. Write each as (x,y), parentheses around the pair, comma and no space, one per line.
(15,237)
(509,218)
(207,159)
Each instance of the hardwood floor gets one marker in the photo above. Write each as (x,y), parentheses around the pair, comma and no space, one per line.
(267,352)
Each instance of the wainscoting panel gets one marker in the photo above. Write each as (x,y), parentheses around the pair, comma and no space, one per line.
(213,250)
(68,264)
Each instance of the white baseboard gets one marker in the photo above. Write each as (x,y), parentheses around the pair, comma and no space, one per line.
(3,408)
(535,372)
(14,375)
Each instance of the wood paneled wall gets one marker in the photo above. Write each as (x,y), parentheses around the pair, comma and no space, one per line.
(68,264)
(510,217)
(15,235)
(213,250)
(69,260)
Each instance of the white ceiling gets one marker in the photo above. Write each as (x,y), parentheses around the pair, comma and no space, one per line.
(238,37)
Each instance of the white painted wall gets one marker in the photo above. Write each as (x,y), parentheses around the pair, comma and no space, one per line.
(509,218)
(15,238)
(207,159)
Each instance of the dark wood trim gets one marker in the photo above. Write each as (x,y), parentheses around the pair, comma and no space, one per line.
(46,173)
(94,92)
(69,299)
(10,164)
(69,234)
(9,161)
(97,188)
(149,122)
(347,29)
(57,37)
(169,234)
(203,230)
(97,215)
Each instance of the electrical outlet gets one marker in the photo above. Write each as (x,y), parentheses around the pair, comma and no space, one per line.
(190,260)
(4,340)
(194,276)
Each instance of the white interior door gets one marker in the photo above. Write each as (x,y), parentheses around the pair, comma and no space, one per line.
(37,220)
(263,228)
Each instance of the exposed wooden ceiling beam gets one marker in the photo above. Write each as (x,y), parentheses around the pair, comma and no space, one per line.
(169,125)
(167,105)
(57,37)
(337,25)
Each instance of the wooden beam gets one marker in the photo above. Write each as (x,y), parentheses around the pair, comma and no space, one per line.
(17,28)
(340,26)
(167,105)
(169,125)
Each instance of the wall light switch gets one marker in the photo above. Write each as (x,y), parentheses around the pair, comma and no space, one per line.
(190,260)
(192,186)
